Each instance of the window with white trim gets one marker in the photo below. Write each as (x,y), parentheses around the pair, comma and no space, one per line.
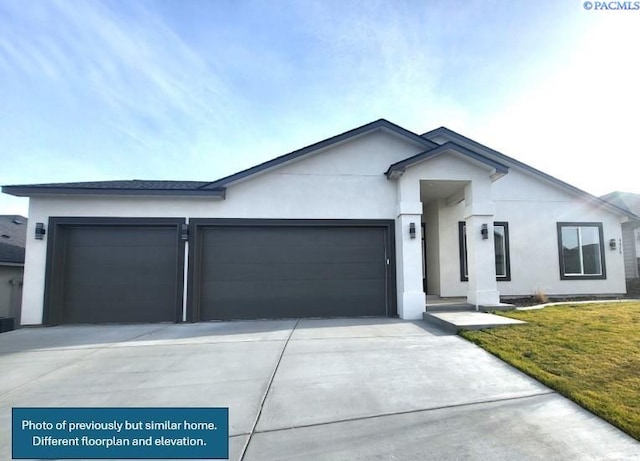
(581,251)
(501,245)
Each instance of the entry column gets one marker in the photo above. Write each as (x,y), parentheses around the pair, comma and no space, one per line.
(411,297)
(481,259)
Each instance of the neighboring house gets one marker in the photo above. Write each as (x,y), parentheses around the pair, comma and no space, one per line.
(13,230)
(630,230)
(333,229)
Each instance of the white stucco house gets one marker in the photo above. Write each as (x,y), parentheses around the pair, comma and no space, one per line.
(361,224)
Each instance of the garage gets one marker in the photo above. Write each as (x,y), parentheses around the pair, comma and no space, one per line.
(256,269)
(104,270)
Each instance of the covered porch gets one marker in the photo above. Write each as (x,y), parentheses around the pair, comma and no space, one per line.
(445,232)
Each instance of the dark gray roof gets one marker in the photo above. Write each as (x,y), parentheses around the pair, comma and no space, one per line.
(13,234)
(126,187)
(402,165)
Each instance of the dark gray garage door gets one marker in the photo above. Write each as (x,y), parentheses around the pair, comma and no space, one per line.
(298,271)
(117,274)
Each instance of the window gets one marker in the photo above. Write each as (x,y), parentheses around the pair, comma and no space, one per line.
(501,244)
(581,251)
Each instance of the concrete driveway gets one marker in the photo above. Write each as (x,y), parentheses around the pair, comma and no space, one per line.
(347,389)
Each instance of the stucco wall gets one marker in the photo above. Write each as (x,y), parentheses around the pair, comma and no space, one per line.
(532,209)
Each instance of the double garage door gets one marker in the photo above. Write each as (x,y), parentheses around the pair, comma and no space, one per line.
(103,270)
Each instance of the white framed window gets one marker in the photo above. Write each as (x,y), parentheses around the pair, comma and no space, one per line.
(581,251)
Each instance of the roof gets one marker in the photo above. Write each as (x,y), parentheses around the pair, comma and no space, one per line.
(625,200)
(399,167)
(13,235)
(430,142)
(452,136)
(126,187)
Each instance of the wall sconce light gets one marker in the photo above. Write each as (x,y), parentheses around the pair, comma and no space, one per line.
(40,231)
(612,244)
(484,232)
(184,232)
(412,230)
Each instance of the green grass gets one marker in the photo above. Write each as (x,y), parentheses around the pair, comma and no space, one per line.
(589,353)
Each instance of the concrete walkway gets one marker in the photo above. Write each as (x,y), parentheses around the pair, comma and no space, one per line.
(349,389)
(456,321)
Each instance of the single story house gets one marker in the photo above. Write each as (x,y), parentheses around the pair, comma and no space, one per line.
(630,230)
(13,231)
(361,224)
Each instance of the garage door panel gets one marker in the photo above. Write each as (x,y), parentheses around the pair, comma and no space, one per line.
(292,288)
(113,304)
(292,271)
(251,253)
(262,301)
(114,253)
(292,235)
(108,265)
(120,237)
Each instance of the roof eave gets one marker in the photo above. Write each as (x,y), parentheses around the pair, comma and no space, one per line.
(26,191)
(497,169)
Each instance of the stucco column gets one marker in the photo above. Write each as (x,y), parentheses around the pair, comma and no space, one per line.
(411,297)
(481,266)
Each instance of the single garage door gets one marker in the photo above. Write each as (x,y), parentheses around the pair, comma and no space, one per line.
(280,271)
(116,274)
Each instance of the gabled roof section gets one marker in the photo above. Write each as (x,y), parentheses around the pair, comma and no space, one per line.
(380,124)
(398,168)
(13,234)
(127,187)
(626,200)
(452,136)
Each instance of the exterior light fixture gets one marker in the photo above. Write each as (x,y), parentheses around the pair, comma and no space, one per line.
(184,232)
(612,244)
(412,230)
(40,231)
(484,232)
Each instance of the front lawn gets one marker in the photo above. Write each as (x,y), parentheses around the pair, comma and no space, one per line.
(589,353)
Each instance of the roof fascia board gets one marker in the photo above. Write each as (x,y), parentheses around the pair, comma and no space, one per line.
(26,191)
(380,124)
(458,138)
(398,168)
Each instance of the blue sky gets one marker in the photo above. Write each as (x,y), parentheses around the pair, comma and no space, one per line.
(198,89)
